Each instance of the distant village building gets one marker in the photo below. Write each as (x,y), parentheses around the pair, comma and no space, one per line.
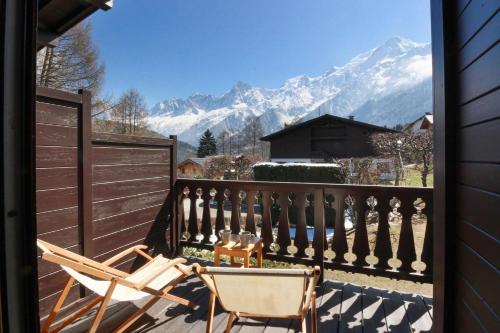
(424,123)
(323,138)
(192,167)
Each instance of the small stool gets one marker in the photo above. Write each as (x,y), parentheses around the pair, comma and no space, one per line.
(233,249)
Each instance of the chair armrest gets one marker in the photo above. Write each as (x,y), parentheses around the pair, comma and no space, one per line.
(202,274)
(158,271)
(313,280)
(126,252)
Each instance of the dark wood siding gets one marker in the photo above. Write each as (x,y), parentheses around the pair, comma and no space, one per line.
(96,195)
(131,194)
(325,137)
(60,119)
(477,280)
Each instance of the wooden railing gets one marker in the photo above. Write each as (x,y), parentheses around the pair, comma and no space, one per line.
(377,230)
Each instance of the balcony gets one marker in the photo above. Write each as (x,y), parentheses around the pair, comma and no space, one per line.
(342,307)
(379,231)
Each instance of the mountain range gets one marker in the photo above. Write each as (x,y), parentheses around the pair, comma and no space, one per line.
(387,85)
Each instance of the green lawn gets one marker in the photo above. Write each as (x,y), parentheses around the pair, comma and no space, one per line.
(413,178)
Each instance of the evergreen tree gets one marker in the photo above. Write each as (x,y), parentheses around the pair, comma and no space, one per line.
(207,145)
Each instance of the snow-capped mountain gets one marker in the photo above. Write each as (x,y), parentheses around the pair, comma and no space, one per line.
(387,85)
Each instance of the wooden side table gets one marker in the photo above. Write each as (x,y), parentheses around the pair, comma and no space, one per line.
(233,249)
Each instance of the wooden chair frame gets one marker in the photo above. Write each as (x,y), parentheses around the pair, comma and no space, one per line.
(103,271)
(309,303)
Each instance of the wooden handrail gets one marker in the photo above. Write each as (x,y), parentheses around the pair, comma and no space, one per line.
(386,247)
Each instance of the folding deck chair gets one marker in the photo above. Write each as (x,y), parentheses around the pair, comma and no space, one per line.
(155,278)
(257,292)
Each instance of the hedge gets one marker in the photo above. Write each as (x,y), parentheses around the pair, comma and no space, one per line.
(299,172)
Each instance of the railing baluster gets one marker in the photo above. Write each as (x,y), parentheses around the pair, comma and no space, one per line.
(428,240)
(267,228)
(283,238)
(235,209)
(250,221)
(406,246)
(192,224)
(339,242)
(219,219)
(206,223)
(360,247)
(301,241)
(383,250)
(180,220)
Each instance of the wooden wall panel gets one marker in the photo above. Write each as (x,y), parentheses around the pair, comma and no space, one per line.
(131,194)
(477,133)
(125,202)
(59,119)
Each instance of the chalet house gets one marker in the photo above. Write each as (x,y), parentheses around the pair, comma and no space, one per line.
(323,138)
(423,123)
(192,167)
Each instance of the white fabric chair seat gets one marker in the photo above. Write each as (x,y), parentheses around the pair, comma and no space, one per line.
(124,293)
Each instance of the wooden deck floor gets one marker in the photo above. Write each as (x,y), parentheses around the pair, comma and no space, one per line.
(341,308)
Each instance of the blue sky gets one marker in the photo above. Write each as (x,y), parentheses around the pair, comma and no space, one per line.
(174,48)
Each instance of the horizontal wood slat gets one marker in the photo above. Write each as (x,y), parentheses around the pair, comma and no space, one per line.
(54,114)
(57,220)
(48,200)
(480,110)
(480,242)
(129,140)
(112,173)
(468,296)
(52,178)
(478,45)
(52,283)
(123,221)
(128,188)
(55,135)
(483,176)
(65,238)
(462,4)
(477,13)
(480,77)
(45,267)
(46,304)
(104,256)
(127,236)
(113,207)
(481,135)
(483,277)
(58,96)
(479,208)
(113,155)
(52,157)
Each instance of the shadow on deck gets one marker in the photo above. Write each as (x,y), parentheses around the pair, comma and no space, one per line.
(342,307)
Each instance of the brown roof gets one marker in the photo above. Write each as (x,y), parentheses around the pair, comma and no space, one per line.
(291,128)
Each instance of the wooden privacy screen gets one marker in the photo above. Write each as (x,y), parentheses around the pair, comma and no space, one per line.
(131,183)
(61,121)
(96,193)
